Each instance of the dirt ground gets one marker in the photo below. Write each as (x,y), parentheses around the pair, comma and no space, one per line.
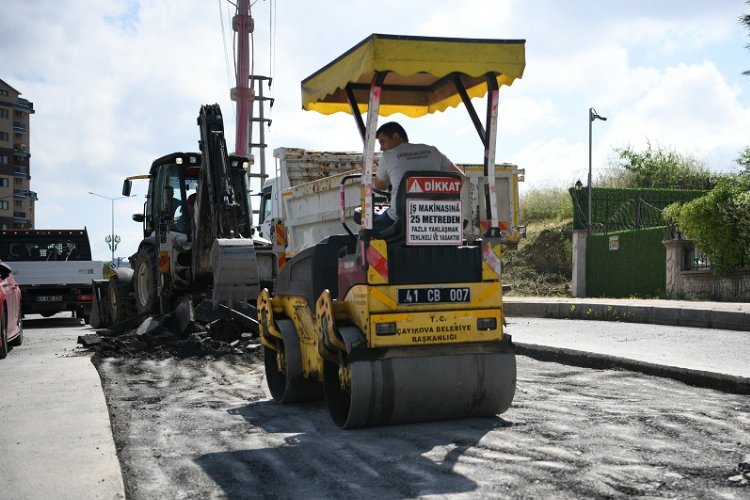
(200,424)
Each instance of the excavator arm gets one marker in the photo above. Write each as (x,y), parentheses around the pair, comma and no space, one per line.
(226,212)
(223,249)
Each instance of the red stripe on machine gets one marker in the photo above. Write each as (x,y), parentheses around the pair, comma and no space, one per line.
(377,261)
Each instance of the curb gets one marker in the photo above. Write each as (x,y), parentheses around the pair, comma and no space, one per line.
(709,380)
(659,315)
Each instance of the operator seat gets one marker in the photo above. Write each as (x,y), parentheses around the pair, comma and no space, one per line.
(428,263)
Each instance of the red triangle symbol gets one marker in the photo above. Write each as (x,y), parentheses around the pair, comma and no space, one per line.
(414,186)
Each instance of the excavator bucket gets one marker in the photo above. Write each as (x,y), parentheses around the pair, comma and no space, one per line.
(235,270)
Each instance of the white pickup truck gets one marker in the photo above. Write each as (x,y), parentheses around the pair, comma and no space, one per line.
(53,268)
(301,205)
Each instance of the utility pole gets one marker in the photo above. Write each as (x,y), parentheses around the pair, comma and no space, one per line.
(592,116)
(243,24)
(111,239)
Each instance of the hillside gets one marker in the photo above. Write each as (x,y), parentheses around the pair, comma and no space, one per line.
(542,264)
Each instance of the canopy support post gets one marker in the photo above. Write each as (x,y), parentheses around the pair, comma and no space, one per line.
(355,110)
(493,97)
(373,109)
(470,108)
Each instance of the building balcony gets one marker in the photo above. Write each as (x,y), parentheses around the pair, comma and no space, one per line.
(20,172)
(24,194)
(25,105)
(19,127)
(18,146)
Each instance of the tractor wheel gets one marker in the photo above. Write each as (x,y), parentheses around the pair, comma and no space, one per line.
(121,305)
(144,281)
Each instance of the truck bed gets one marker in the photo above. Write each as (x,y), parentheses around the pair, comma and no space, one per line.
(56,273)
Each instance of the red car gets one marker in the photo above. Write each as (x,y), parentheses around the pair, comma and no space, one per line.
(11,328)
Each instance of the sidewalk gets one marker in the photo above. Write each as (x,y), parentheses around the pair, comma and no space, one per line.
(710,349)
(55,438)
(722,315)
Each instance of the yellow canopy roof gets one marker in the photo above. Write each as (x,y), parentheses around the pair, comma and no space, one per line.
(421,71)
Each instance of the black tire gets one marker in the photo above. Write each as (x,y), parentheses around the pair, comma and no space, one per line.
(99,317)
(18,341)
(4,334)
(120,291)
(144,281)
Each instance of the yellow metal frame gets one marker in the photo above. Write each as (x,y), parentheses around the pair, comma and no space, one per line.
(296,309)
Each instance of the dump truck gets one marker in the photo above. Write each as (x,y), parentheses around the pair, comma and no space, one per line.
(198,234)
(404,325)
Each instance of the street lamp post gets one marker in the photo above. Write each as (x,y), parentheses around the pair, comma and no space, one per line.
(112,239)
(592,116)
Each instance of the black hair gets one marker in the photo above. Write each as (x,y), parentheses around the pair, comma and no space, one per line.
(391,128)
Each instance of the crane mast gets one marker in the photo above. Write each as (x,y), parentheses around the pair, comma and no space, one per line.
(243,94)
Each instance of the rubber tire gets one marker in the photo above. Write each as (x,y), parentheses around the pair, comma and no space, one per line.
(18,341)
(144,281)
(99,317)
(4,334)
(121,305)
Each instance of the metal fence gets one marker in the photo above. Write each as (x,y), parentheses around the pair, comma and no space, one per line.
(623,209)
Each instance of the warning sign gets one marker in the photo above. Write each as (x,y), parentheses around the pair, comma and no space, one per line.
(434,222)
(433,185)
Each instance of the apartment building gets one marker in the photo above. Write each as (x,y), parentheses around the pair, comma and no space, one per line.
(16,197)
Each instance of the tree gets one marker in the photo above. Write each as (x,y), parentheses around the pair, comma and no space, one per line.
(719,222)
(744,159)
(659,168)
(745,19)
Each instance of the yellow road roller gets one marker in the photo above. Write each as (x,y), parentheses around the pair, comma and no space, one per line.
(403,324)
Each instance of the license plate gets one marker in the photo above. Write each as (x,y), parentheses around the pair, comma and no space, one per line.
(49,298)
(457,294)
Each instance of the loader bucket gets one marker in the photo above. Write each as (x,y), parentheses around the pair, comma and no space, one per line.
(235,270)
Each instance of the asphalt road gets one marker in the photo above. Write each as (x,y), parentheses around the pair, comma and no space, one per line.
(204,428)
(208,429)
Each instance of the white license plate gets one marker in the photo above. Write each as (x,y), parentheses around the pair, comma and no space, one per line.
(410,296)
(49,298)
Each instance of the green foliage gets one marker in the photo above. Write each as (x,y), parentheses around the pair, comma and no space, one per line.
(539,205)
(658,168)
(745,19)
(744,159)
(542,263)
(719,222)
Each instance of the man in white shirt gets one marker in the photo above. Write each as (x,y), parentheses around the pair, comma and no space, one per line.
(400,156)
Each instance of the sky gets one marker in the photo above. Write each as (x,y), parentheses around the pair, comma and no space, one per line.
(116,84)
